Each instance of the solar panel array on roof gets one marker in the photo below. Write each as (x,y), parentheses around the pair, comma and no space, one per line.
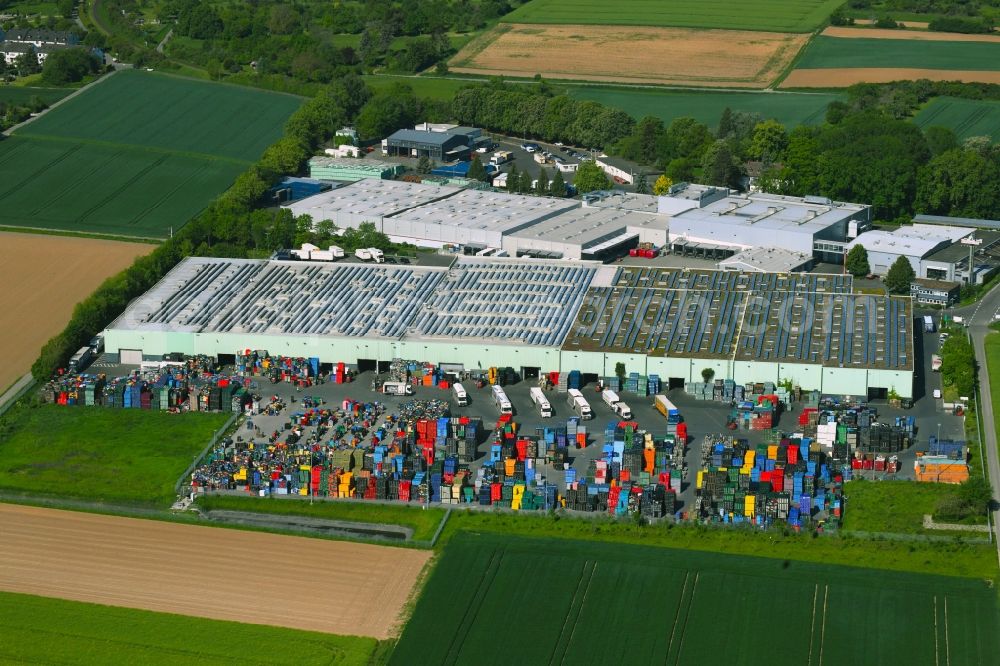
(752,317)
(346,299)
(526,302)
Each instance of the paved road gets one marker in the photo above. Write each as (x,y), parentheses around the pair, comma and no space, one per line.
(980,317)
(163,42)
(14,390)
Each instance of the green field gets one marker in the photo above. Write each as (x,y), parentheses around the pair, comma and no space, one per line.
(788,109)
(770,15)
(18,95)
(423,522)
(106,455)
(894,506)
(38,630)
(554,602)
(965,117)
(834,52)
(135,154)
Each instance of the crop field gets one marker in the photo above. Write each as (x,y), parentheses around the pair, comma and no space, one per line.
(790,109)
(773,15)
(337,587)
(834,62)
(35,630)
(583,602)
(719,58)
(965,117)
(19,95)
(47,288)
(135,154)
(104,455)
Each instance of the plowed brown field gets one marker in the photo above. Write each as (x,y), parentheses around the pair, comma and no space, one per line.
(313,584)
(43,277)
(847,76)
(680,56)
(877,33)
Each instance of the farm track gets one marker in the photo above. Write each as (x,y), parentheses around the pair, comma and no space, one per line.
(312,584)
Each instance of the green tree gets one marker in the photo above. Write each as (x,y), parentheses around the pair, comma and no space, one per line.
(768,142)
(424,165)
(557,186)
(524,182)
(620,370)
(940,139)
(641,184)
(707,374)
(66,7)
(977,493)
(960,183)
(542,184)
(856,261)
(68,66)
(389,110)
(26,64)
(686,137)
(900,276)
(662,185)
(590,177)
(721,166)
(476,170)
(513,179)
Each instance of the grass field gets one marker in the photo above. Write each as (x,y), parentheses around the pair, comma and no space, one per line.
(992,344)
(833,52)
(424,523)
(106,455)
(790,109)
(18,95)
(42,630)
(893,506)
(135,154)
(966,117)
(951,558)
(423,86)
(579,602)
(774,15)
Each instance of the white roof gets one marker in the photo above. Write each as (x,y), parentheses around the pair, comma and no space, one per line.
(490,211)
(590,225)
(771,213)
(371,197)
(766,260)
(917,240)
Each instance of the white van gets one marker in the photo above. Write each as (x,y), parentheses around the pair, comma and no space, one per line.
(500,398)
(461,397)
(397,388)
(579,404)
(541,402)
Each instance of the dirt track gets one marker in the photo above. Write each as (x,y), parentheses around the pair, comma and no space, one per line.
(680,56)
(329,586)
(843,77)
(43,278)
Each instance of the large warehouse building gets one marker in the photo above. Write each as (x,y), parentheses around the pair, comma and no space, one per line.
(535,316)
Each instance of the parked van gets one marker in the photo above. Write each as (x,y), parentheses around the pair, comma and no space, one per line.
(579,404)
(500,398)
(541,402)
(397,388)
(461,397)
(79,360)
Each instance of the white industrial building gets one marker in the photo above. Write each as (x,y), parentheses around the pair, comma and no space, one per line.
(588,233)
(535,316)
(918,243)
(767,260)
(815,226)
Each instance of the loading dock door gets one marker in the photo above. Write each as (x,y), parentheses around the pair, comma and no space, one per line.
(130,356)
(530,373)
(367,365)
(878,393)
(675,383)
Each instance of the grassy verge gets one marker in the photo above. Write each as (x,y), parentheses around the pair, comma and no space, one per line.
(423,522)
(82,234)
(992,344)
(950,558)
(894,506)
(41,630)
(127,456)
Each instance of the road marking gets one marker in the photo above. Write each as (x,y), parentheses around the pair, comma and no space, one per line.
(937,649)
(822,633)
(694,589)
(812,625)
(947,647)
(677,615)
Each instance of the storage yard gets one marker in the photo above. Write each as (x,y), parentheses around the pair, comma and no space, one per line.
(48,289)
(208,572)
(575,588)
(95,164)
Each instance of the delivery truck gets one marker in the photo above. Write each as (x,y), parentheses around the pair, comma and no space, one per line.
(541,402)
(461,397)
(928,324)
(935,363)
(667,408)
(612,400)
(579,404)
